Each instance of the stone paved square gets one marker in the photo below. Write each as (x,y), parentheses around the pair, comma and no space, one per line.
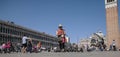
(65,54)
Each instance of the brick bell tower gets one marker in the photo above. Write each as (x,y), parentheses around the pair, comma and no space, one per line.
(112,22)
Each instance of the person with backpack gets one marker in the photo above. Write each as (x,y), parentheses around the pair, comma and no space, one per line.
(61,37)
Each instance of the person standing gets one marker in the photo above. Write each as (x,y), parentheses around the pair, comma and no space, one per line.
(39,46)
(29,46)
(8,46)
(4,47)
(61,36)
(24,43)
(18,47)
(114,45)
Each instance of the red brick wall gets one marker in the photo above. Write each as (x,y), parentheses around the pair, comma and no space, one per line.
(113,32)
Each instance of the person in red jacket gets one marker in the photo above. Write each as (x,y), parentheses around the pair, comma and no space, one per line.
(8,46)
(61,36)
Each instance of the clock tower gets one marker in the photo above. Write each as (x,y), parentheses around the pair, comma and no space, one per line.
(112,22)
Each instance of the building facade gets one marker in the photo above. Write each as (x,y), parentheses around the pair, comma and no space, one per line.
(84,42)
(112,22)
(98,37)
(9,31)
(93,39)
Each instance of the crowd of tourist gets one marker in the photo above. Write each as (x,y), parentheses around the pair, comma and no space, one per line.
(25,47)
(28,47)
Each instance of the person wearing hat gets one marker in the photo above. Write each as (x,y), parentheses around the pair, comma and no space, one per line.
(60,33)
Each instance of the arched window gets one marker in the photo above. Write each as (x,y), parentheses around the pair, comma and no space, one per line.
(93,41)
(110,1)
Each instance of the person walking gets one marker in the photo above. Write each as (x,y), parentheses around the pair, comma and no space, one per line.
(61,35)
(24,43)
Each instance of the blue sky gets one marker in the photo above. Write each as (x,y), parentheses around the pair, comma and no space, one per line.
(80,18)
